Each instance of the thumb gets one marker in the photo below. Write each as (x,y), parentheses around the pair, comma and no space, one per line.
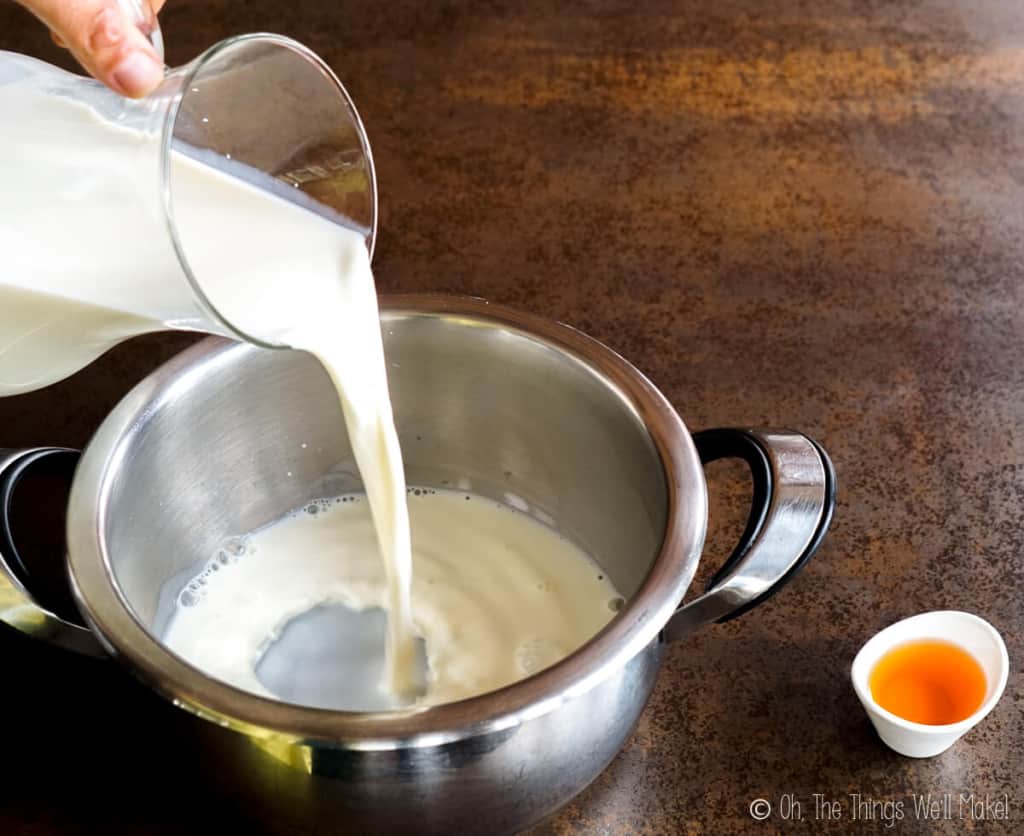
(105,40)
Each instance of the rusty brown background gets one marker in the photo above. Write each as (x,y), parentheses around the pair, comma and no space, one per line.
(790,213)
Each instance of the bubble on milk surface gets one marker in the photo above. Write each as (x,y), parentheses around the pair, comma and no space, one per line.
(230,552)
(235,547)
(189,597)
(318,506)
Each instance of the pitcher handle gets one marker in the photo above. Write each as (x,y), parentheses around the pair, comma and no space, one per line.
(794,499)
(27,604)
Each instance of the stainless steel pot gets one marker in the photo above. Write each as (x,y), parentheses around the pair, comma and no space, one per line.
(227,437)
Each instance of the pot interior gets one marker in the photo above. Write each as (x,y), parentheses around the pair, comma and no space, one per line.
(233,437)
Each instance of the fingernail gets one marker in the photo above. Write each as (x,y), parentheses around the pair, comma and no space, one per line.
(137,74)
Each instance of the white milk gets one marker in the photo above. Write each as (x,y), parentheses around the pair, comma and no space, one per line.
(80,272)
(45,338)
(497,595)
(87,255)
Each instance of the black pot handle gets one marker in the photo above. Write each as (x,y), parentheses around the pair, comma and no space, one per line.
(35,594)
(794,499)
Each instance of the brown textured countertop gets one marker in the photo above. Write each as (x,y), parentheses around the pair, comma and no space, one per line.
(805,214)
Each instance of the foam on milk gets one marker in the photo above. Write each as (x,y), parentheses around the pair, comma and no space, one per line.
(497,595)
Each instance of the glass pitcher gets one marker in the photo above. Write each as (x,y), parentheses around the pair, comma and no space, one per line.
(109,224)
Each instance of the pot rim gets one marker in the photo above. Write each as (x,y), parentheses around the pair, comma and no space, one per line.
(625,636)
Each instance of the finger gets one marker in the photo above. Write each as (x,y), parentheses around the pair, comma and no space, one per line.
(154,5)
(105,41)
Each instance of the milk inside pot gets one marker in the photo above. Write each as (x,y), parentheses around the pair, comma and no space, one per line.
(496,596)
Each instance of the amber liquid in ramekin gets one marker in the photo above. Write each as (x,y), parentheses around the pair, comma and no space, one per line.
(929,681)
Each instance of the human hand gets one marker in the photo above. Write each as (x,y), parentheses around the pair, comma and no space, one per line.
(106,40)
